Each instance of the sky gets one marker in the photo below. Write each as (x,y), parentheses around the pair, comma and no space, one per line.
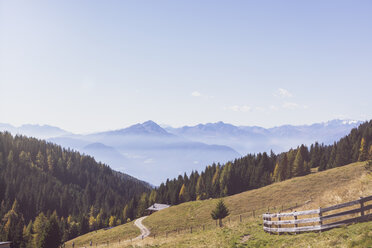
(90,66)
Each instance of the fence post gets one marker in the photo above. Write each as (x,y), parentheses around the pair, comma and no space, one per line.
(203,228)
(270,225)
(190,229)
(361,200)
(279,226)
(296,225)
(320,219)
(240,216)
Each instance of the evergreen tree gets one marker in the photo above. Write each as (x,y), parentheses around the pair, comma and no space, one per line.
(281,170)
(142,205)
(220,212)
(92,220)
(51,236)
(216,182)
(153,197)
(363,152)
(84,225)
(184,195)
(225,179)
(39,227)
(12,224)
(125,214)
(200,189)
(112,221)
(298,165)
(27,236)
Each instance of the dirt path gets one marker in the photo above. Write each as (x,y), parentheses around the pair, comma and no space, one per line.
(144,230)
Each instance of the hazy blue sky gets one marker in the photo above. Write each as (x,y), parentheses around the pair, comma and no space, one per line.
(98,65)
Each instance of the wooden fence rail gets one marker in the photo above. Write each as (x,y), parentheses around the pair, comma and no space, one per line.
(316,218)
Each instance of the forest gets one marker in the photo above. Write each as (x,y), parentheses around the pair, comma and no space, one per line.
(50,194)
(257,170)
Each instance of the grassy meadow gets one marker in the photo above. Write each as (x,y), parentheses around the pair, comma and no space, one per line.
(171,226)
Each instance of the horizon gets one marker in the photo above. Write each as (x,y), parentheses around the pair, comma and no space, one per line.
(165,125)
(89,66)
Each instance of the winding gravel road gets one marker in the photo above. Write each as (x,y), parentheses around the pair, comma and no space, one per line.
(144,230)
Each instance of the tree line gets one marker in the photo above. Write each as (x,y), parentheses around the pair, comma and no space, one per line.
(47,190)
(258,170)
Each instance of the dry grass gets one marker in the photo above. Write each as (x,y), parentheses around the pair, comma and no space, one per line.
(122,232)
(312,191)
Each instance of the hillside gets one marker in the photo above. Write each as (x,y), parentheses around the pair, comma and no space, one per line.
(40,179)
(312,191)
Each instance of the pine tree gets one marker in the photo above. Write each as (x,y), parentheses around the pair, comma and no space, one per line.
(92,220)
(142,205)
(39,227)
(40,160)
(216,182)
(200,189)
(225,179)
(11,227)
(51,237)
(125,213)
(27,236)
(220,212)
(281,171)
(183,195)
(153,197)
(99,219)
(276,173)
(298,164)
(363,152)
(84,225)
(112,221)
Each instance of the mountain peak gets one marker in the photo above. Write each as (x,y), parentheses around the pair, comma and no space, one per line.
(146,128)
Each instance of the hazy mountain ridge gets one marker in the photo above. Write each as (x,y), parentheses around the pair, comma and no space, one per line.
(152,153)
(253,139)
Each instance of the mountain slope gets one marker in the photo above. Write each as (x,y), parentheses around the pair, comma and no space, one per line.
(44,177)
(308,192)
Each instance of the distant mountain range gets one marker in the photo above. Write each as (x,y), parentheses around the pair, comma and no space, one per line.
(152,153)
(253,139)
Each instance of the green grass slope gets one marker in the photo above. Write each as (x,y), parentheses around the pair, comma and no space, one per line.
(312,191)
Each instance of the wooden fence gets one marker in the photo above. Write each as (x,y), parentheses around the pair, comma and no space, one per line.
(316,220)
